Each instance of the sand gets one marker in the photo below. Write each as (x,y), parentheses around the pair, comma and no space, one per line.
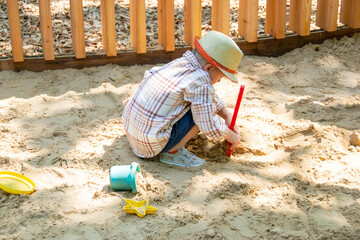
(295,175)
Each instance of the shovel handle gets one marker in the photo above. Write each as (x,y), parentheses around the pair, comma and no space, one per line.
(233,120)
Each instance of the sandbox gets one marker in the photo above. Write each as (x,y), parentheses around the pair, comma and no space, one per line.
(295,175)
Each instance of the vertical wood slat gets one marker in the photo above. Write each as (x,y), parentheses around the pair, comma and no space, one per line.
(248,19)
(220,16)
(46,29)
(166,24)
(108,27)
(300,17)
(15,30)
(138,25)
(132,13)
(192,17)
(275,22)
(345,12)
(103,22)
(326,14)
(350,13)
(77,28)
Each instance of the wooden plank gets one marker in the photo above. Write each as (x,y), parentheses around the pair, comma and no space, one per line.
(220,16)
(248,19)
(275,22)
(350,13)
(268,46)
(188,22)
(108,27)
(192,24)
(300,16)
(356,15)
(138,25)
(345,12)
(161,17)
(46,29)
(141,26)
(77,28)
(15,30)
(355,23)
(103,23)
(327,14)
(170,25)
(132,13)
(214,14)
(166,24)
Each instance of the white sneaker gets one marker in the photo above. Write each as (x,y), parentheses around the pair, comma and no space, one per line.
(182,158)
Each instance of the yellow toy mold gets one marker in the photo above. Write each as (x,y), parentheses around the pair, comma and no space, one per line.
(16,183)
(139,208)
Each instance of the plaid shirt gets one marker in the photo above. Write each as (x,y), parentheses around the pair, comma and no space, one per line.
(163,97)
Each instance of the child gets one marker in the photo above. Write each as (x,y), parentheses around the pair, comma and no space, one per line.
(176,101)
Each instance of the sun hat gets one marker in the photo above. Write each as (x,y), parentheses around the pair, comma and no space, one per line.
(221,52)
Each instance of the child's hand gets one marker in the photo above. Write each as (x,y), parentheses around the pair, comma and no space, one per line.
(233,138)
(236,129)
(228,122)
(234,145)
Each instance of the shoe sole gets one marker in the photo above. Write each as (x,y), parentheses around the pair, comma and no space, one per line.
(180,165)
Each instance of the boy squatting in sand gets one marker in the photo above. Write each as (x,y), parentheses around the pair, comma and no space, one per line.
(176,101)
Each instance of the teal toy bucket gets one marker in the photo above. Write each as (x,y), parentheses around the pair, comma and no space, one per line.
(123,178)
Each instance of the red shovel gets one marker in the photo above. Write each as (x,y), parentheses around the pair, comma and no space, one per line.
(233,120)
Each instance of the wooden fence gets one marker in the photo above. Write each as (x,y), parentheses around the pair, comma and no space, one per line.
(275,26)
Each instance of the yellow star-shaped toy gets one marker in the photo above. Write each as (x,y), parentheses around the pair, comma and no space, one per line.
(140,208)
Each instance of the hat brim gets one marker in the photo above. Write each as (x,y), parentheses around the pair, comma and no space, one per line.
(231,76)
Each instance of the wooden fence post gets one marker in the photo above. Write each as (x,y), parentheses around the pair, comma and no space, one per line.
(192,17)
(138,25)
(15,30)
(220,16)
(275,22)
(46,29)
(248,19)
(350,13)
(107,8)
(77,28)
(166,24)
(326,14)
(300,17)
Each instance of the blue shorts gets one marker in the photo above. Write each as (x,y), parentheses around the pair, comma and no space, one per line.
(179,130)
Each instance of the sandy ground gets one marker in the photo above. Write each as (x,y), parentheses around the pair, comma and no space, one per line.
(295,176)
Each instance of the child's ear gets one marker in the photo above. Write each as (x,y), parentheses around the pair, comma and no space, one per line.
(207,67)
